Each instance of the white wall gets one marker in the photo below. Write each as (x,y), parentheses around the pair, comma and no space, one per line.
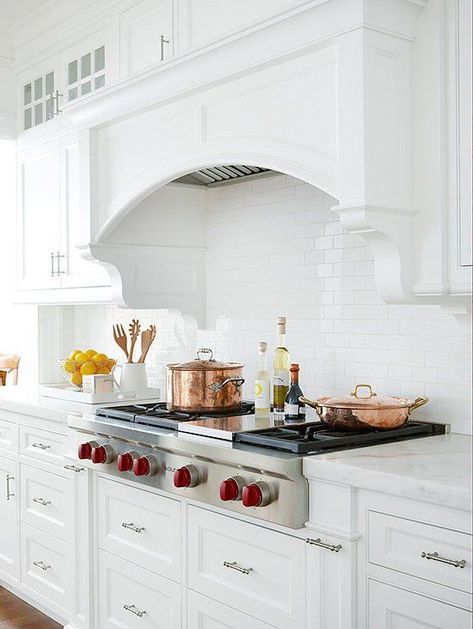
(276,248)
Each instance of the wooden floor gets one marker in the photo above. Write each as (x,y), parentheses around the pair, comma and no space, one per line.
(16,614)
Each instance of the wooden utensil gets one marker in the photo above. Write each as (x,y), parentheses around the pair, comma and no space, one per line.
(147,338)
(134,330)
(120,338)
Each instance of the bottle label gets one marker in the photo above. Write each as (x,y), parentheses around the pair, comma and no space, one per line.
(292,409)
(261,394)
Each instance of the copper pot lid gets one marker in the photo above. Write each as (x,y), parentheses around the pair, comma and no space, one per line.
(202,364)
(369,400)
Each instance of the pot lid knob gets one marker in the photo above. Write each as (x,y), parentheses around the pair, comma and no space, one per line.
(205,350)
(363,397)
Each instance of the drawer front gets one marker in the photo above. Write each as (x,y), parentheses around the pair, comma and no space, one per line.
(140,526)
(392,608)
(45,501)
(204,613)
(46,565)
(43,444)
(8,436)
(131,597)
(253,569)
(399,544)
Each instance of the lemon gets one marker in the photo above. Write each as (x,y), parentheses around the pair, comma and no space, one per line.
(91,352)
(111,362)
(100,359)
(70,366)
(76,378)
(103,370)
(73,354)
(88,368)
(82,357)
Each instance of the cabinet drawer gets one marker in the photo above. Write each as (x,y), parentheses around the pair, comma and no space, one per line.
(399,544)
(46,564)
(8,436)
(140,526)
(45,501)
(247,567)
(390,607)
(204,613)
(43,444)
(129,597)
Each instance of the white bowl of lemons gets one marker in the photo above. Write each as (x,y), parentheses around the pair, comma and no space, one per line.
(85,363)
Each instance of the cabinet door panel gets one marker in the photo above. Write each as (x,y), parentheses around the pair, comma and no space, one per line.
(9,538)
(392,608)
(39,216)
(205,613)
(141,27)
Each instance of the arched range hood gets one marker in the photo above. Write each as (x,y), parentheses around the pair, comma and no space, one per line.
(342,94)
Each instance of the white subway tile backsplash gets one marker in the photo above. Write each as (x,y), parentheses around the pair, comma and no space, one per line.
(293,258)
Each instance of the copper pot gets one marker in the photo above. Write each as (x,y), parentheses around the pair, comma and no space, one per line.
(204,385)
(357,412)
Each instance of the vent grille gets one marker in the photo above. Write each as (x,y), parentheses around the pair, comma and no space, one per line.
(221,174)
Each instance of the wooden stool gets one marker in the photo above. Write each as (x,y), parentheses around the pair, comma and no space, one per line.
(9,365)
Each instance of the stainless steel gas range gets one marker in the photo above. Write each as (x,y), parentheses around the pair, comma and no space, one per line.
(236,462)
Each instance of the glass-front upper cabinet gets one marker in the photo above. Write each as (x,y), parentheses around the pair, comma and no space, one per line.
(86,73)
(38,99)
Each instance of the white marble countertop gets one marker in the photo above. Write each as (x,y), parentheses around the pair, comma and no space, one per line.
(432,469)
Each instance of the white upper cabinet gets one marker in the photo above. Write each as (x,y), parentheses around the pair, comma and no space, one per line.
(36,92)
(146,35)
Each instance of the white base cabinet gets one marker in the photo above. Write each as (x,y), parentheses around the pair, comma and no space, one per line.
(205,613)
(9,539)
(391,607)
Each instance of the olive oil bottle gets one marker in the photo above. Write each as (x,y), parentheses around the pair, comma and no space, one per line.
(262,384)
(281,365)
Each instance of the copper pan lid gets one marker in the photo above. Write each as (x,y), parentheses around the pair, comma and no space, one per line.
(201,364)
(369,400)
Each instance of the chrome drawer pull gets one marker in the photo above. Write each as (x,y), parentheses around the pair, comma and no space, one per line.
(10,494)
(234,566)
(42,501)
(41,446)
(134,610)
(334,548)
(456,563)
(133,527)
(41,564)
(74,468)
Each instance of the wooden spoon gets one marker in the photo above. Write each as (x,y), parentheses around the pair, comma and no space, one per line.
(147,338)
(134,330)
(120,338)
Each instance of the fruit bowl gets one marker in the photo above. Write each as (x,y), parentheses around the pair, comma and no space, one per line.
(80,364)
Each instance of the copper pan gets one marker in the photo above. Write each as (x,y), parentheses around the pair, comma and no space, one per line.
(357,412)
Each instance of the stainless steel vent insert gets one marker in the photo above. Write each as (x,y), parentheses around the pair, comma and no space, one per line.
(221,174)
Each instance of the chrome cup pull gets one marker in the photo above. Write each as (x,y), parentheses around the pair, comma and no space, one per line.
(334,548)
(41,446)
(134,610)
(133,527)
(41,564)
(456,563)
(234,566)
(42,501)
(74,468)
(10,494)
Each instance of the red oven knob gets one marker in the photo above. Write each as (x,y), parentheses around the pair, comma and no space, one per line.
(103,454)
(84,451)
(256,495)
(125,461)
(231,488)
(187,476)
(145,466)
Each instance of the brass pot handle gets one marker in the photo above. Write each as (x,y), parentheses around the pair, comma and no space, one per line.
(205,350)
(312,404)
(420,401)
(368,386)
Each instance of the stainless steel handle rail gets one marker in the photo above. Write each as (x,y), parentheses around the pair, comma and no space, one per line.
(334,548)
(10,494)
(163,41)
(74,468)
(133,527)
(134,610)
(234,566)
(456,563)
(42,501)
(41,564)
(41,446)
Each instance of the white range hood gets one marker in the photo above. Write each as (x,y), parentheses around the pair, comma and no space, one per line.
(330,93)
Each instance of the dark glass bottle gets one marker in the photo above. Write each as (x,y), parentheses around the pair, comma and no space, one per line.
(293,409)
